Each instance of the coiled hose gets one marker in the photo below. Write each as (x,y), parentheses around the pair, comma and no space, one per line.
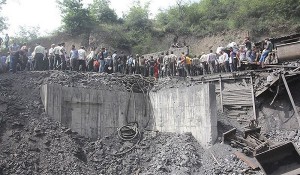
(127,133)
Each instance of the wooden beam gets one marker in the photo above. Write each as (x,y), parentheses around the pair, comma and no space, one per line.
(253,97)
(221,94)
(291,97)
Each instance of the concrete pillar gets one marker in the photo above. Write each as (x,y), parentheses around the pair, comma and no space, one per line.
(187,109)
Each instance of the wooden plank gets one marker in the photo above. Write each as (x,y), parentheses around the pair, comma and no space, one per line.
(253,98)
(251,162)
(221,94)
(291,98)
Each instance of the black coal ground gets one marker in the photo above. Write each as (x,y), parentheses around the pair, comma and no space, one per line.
(31,143)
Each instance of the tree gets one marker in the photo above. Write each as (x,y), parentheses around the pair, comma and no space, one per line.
(3,25)
(138,17)
(26,33)
(175,19)
(102,12)
(77,19)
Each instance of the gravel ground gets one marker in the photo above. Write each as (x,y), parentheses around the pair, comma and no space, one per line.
(31,143)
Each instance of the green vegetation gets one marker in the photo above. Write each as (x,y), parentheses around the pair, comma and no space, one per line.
(26,34)
(2,19)
(77,19)
(137,32)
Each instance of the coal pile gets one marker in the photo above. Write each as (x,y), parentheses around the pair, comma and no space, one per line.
(157,153)
(117,82)
(31,143)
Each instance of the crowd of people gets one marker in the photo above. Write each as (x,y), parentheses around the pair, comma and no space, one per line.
(227,59)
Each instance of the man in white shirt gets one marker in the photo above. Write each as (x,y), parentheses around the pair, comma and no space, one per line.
(203,62)
(226,60)
(223,61)
(51,56)
(39,52)
(82,59)
(57,60)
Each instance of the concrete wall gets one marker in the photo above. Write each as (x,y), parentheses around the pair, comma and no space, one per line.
(188,109)
(94,113)
(97,113)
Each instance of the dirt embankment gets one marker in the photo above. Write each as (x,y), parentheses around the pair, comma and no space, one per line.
(197,45)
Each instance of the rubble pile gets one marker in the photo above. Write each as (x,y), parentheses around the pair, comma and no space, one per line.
(220,160)
(31,143)
(116,81)
(283,136)
(157,153)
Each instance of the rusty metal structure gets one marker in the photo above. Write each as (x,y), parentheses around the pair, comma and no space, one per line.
(251,142)
(271,158)
(285,49)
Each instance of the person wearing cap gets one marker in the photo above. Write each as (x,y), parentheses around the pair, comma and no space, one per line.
(266,51)
(51,56)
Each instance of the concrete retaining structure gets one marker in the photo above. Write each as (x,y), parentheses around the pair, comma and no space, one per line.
(188,109)
(98,113)
(94,113)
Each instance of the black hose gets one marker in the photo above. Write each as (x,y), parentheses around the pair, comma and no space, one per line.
(127,133)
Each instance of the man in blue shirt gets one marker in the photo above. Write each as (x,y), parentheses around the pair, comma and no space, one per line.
(73,58)
(266,51)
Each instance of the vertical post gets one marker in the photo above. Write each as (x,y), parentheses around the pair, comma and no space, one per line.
(221,94)
(291,98)
(253,97)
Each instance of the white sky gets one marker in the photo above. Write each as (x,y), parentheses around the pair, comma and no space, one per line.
(46,15)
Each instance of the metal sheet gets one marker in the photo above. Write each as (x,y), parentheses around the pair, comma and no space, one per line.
(289,51)
(279,160)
